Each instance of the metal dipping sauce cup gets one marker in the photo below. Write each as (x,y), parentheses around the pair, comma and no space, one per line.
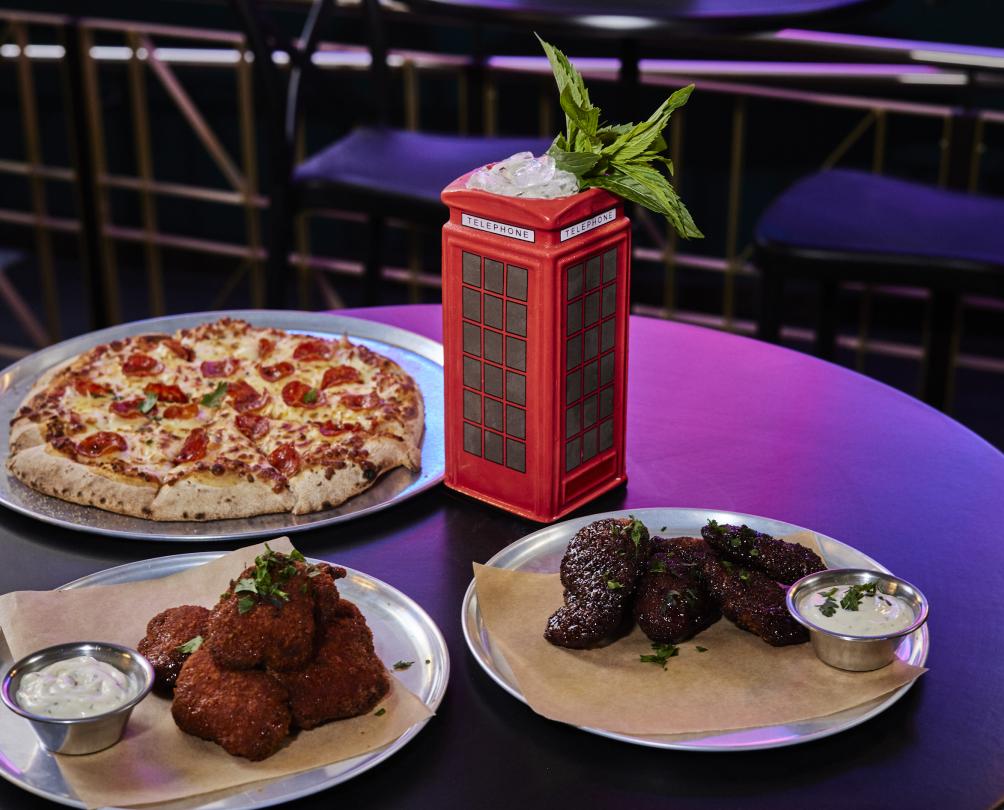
(856,653)
(80,735)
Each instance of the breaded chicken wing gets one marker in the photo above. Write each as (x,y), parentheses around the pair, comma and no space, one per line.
(345,679)
(266,617)
(166,633)
(246,712)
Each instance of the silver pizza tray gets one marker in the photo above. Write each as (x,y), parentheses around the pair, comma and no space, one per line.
(402,631)
(541,552)
(421,357)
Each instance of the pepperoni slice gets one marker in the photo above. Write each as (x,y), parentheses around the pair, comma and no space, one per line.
(358,402)
(312,350)
(298,394)
(189,411)
(219,368)
(91,388)
(166,393)
(194,448)
(339,375)
(265,348)
(179,349)
(252,425)
(285,459)
(276,372)
(330,428)
(97,444)
(128,408)
(245,398)
(141,365)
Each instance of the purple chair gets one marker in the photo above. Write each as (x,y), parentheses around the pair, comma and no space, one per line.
(842,225)
(380,171)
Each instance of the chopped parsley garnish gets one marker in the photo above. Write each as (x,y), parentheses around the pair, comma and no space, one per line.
(613,584)
(661,654)
(855,593)
(829,606)
(380,712)
(744,575)
(190,646)
(658,567)
(700,648)
(754,552)
(399,665)
(637,530)
(214,399)
(272,570)
(148,403)
(311,396)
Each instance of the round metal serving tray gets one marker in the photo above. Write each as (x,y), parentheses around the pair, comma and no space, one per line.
(541,553)
(402,631)
(420,357)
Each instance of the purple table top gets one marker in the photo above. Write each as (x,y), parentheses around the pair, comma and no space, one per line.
(714,421)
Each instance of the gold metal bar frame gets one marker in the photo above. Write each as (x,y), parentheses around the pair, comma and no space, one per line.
(33,149)
(144,166)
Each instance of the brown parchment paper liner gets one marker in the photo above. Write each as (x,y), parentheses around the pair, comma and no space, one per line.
(739,682)
(155,761)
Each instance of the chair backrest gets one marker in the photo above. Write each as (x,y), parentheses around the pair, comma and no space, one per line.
(283,98)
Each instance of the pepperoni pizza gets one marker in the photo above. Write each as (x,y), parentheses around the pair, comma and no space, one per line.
(222,420)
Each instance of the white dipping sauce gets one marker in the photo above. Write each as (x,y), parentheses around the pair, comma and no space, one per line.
(76,687)
(878,615)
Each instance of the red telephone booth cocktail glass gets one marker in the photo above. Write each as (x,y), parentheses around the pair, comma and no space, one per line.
(535,318)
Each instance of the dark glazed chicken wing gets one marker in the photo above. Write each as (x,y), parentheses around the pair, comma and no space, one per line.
(345,679)
(600,570)
(246,712)
(781,561)
(752,601)
(166,633)
(671,604)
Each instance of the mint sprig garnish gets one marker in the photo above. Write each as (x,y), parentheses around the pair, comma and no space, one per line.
(625,159)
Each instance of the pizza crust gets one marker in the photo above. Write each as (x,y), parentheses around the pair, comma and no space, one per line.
(24,434)
(55,474)
(413,435)
(316,488)
(313,490)
(210,497)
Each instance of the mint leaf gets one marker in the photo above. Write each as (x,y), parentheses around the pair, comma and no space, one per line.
(247,584)
(577,163)
(311,396)
(244,604)
(624,159)
(149,401)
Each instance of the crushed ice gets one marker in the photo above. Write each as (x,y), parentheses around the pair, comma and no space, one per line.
(524,175)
